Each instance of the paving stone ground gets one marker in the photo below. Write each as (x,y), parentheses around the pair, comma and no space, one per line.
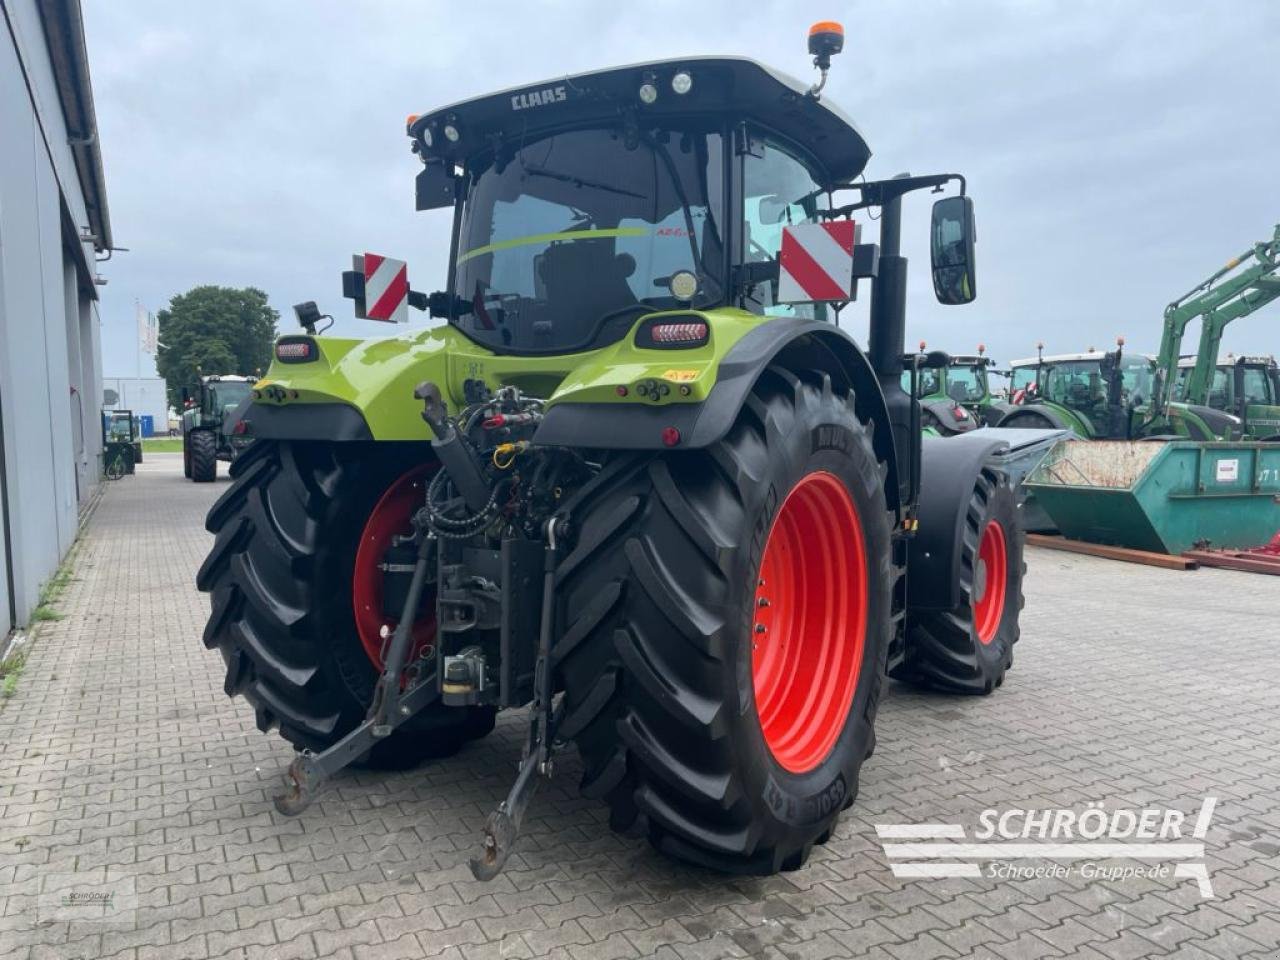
(123,764)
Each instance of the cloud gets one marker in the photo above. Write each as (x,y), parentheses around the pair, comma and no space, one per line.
(1117,152)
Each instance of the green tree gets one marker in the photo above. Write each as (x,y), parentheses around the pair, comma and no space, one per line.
(210,330)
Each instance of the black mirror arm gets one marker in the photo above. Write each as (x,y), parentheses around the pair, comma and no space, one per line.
(877,193)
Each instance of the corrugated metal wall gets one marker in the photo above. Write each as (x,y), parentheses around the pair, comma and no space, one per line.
(50,368)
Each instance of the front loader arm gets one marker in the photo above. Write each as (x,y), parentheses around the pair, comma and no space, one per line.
(1219,304)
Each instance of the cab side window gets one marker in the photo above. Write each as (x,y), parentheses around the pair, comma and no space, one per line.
(778,191)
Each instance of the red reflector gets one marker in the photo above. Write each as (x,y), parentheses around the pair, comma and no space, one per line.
(296,350)
(670,436)
(241,427)
(678,332)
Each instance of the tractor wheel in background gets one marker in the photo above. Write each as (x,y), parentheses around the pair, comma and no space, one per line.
(968,649)
(204,456)
(296,592)
(726,620)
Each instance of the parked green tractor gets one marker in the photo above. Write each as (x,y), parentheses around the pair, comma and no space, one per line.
(1095,395)
(638,480)
(1247,387)
(954,393)
(121,445)
(211,427)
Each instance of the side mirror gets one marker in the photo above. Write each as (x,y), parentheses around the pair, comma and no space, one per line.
(773,209)
(436,187)
(951,240)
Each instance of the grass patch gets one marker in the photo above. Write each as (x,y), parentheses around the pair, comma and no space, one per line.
(53,589)
(161,445)
(10,671)
(46,610)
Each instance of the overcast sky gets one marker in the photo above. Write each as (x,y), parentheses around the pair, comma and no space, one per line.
(1117,152)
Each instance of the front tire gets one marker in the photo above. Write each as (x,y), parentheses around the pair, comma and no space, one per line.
(283,585)
(969,649)
(204,456)
(732,757)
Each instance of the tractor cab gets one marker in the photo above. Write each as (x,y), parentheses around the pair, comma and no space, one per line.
(1247,387)
(1094,394)
(585,203)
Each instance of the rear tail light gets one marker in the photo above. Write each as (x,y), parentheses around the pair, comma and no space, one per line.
(241,427)
(679,333)
(673,331)
(296,350)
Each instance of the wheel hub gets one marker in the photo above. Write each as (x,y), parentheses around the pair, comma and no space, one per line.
(990,574)
(809,622)
(391,516)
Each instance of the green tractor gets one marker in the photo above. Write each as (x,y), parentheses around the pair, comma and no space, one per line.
(954,391)
(1095,395)
(638,480)
(1246,387)
(121,445)
(212,428)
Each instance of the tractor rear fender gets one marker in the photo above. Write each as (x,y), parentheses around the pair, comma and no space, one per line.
(945,413)
(794,344)
(948,472)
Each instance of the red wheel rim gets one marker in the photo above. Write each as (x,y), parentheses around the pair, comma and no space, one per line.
(391,515)
(989,577)
(810,622)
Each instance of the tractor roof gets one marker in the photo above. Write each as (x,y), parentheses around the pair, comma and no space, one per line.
(222,377)
(721,86)
(968,360)
(1068,357)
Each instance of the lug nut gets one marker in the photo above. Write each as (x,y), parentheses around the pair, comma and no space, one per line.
(761,628)
(762,602)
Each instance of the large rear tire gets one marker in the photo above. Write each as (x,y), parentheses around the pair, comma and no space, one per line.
(726,619)
(1029,420)
(282,580)
(204,456)
(968,649)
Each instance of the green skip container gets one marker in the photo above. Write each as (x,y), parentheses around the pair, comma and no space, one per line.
(1163,496)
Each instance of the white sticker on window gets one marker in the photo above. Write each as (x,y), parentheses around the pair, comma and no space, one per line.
(1228,471)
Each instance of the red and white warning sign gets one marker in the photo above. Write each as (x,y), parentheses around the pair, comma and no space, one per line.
(386,289)
(816,262)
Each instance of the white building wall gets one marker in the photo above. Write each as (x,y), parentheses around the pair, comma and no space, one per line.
(142,395)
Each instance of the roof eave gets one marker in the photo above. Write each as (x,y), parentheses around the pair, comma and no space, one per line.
(64,37)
